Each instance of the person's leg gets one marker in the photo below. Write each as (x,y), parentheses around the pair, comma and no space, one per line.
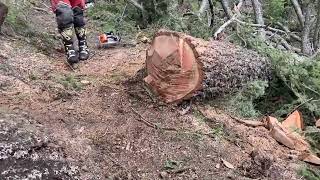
(79,25)
(65,21)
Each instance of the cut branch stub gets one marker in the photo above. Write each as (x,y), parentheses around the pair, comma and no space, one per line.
(174,72)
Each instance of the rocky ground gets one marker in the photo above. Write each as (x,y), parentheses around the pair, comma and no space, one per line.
(98,121)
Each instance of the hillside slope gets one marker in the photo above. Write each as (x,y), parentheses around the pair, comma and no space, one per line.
(106,124)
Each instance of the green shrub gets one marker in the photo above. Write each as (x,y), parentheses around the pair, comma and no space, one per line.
(242,103)
(309,174)
(275,9)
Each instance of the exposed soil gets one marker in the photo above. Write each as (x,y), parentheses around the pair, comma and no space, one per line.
(106,125)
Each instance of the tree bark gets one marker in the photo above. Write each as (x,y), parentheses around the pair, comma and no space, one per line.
(306,43)
(226,8)
(259,17)
(180,66)
(298,10)
(3,13)
(317,29)
(204,6)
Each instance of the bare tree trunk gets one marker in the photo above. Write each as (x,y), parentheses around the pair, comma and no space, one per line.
(298,10)
(226,8)
(306,44)
(3,13)
(204,6)
(259,17)
(317,29)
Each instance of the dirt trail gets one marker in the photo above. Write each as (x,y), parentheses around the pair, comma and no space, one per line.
(98,115)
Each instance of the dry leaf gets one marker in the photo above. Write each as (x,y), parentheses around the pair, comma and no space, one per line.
(227,164)
(293,122)
(318,124)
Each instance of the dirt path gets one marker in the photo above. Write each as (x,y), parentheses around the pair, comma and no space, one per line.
(100,116)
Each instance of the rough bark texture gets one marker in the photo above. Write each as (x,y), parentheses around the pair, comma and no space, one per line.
(204,6)
(306,43)
(226,8)
(259,17)
(181,66)
(3,13)
(298,10)
(317,29)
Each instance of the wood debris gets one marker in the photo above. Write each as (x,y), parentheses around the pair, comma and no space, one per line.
(227,164)
(294,121)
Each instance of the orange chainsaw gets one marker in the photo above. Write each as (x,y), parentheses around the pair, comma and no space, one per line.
(108,40)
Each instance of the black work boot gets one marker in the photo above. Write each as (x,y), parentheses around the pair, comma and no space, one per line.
(67,35)
(83,46)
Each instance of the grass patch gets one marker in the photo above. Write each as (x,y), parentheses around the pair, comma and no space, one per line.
(70,82)
(309,173)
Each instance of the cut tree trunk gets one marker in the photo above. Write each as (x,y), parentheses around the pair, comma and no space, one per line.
(3,13)
(180,66)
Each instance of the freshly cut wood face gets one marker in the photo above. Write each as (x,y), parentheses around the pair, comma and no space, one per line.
(173,70)
(294,121)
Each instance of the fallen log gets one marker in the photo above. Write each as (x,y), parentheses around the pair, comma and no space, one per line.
(3,13)
(180,66)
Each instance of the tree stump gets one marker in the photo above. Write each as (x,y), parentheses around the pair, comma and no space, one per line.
(3,13)
(180,66)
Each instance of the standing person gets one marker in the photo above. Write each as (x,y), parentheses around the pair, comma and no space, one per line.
(70,18)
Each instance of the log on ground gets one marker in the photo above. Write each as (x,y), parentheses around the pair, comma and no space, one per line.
(180,66)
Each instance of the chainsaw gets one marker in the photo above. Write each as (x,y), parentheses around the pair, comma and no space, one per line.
(108,40)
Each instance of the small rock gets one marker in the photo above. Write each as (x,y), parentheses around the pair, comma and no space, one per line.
(318,124)
(85,82)
(218,166)
(164,175)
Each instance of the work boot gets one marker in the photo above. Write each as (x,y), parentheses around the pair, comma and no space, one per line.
(67,35)
(83,46)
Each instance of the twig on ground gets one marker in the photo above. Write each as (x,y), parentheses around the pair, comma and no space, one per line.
(150,124)
(178,171)
(40,9)
(247,122)
(149,93)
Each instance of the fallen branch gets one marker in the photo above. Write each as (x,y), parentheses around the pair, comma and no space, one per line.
(283,42)
(231,20)
(249,123)
(286,29)
(178,171)
(40,9)
(221,28)
(136,4)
